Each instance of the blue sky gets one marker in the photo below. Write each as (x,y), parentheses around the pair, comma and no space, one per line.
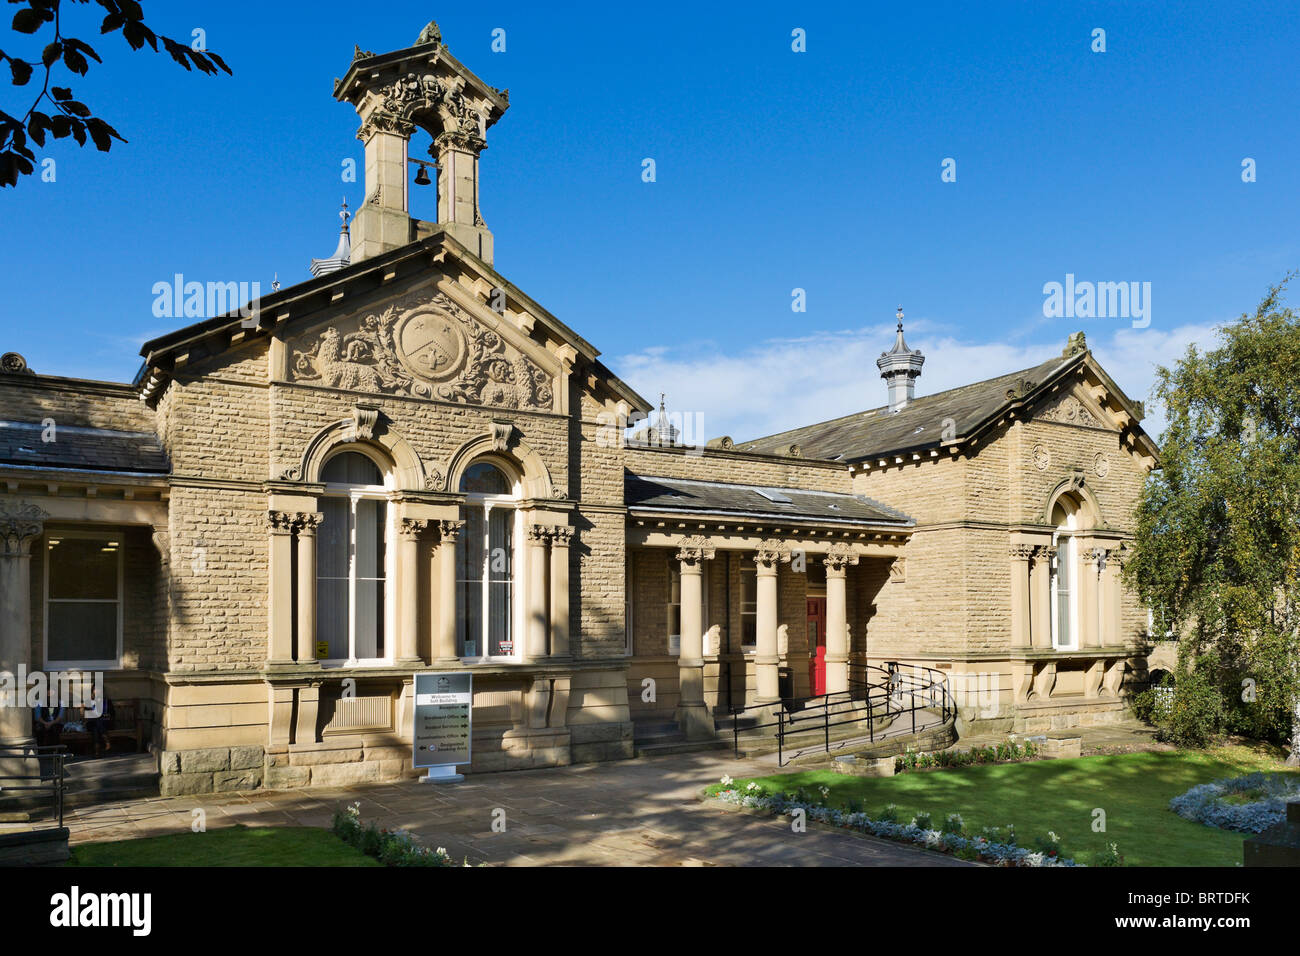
(776,170)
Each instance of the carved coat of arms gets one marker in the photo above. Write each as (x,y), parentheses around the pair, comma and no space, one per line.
(424,347)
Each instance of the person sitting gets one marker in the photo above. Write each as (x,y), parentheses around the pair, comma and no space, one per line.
(47,725)
(100,726)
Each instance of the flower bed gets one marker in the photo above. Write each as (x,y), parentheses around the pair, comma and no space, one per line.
(1248,804)
(995,845)
(1005,752)
(390,847)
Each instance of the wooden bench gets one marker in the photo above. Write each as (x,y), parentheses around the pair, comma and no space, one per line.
(129,726)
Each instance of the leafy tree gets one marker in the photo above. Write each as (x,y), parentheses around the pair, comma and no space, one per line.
(1218,531)
(64,115)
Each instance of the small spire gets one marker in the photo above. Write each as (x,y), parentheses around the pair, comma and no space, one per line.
(275,282)
(900,367)
(342,253)
(900,318)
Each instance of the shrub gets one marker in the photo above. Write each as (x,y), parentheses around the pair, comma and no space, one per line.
(922,821)
(1195,715)
(1110,856)
(1261,802)
(953,823)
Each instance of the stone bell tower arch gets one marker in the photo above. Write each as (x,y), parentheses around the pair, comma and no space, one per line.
(422,87)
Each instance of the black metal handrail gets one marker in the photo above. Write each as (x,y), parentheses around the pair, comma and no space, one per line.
(924,689)
(51,772)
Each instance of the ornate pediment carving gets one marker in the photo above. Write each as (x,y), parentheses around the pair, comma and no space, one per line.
(422,346)
(1070,411)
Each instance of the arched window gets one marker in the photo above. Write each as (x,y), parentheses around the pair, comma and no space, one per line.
(352,562)
(485,564)
(1065,576)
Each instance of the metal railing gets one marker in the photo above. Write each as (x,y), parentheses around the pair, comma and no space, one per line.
(896,692)
(51,773)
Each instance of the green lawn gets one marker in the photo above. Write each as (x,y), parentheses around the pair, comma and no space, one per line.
(228,846)
(1060,795)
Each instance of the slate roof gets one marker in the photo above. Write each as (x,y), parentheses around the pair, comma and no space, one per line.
(645,493)
(920,425)
(82,448)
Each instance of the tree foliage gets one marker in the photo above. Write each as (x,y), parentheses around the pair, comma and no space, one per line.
(55,111)
(1218,533)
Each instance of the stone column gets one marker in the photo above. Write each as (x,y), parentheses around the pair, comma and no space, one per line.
(383,221)
(692,716)
(408,562)
(767,657)
(445,645)
(1114,591)
(535,600)
(1040,598)
(1020,595)
(21,524)
(560,537)
(837,618)
(1090,558)
(280,596)
(307,524)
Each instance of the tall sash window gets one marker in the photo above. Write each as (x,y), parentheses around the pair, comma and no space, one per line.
(352,562)
(485,565)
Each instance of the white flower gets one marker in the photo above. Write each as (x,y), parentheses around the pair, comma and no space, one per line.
(726,780)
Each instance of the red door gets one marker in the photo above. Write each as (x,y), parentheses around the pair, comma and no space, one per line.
(817,645)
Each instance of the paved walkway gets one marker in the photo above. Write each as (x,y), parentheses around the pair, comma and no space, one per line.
(633,812)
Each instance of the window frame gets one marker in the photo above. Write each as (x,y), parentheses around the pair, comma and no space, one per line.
(748,569)
(518,551)
(354,494)
(1066,537)
(120,570)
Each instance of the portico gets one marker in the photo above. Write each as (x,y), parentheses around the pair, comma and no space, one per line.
(721,608)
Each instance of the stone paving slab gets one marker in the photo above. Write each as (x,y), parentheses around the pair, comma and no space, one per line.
(643,812)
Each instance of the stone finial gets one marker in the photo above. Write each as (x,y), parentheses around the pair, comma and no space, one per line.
(1077,343)
(430,34)
(14,364)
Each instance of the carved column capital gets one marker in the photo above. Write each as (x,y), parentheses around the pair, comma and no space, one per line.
(280,522)
(306,522)
(449,531)
(412,527)
(1021,552)
(838,558)
(539,533)
(561,535)
(695,549)
(20,524)
(771,552)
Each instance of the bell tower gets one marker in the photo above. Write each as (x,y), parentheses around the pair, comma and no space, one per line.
(422,87)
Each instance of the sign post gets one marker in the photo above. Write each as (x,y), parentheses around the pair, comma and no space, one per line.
(441,735)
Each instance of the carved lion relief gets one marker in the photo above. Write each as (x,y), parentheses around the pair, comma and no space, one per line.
(424,347)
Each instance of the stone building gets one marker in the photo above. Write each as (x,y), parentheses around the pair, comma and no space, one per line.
(406,464)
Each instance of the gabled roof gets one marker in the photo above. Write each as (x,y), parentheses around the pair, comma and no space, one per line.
(688,496)
(942,419)
(437,251)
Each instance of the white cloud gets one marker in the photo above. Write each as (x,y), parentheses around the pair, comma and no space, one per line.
(785,383)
